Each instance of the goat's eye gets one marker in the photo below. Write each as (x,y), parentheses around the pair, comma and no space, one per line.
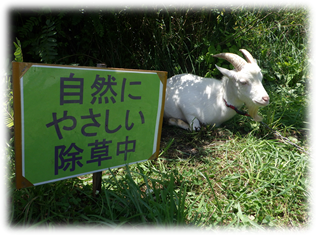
(242,82)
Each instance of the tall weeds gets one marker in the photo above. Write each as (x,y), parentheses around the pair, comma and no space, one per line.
(238,175)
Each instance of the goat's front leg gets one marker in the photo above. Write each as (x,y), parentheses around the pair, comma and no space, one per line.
(194,123)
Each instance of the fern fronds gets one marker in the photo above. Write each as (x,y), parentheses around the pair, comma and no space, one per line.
(28,26)
(47,43)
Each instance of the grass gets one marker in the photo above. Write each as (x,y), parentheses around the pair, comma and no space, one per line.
(236,179)
(240,178)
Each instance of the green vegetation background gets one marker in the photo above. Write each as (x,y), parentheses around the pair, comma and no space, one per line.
(238,175)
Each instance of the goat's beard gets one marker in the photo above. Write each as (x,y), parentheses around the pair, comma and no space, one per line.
(253,112)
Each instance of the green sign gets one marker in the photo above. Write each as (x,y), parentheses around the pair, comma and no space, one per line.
(79,120)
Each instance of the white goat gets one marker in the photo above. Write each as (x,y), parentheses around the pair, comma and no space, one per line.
(192,100)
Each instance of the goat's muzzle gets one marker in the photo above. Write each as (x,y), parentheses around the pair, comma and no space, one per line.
(263,102)
(266,99)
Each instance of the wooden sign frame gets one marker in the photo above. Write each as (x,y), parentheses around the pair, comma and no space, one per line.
(29,77)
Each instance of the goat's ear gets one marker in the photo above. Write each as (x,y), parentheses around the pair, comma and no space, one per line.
(226,72)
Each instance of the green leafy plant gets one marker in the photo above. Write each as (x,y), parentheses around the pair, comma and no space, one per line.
(8,105)
(6,111)
(18,51)
(8,114)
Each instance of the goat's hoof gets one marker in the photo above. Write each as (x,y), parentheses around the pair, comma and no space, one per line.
(197,128)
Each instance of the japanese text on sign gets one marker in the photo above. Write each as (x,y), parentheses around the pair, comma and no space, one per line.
(71,91)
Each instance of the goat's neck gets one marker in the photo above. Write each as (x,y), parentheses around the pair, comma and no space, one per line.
(229,92)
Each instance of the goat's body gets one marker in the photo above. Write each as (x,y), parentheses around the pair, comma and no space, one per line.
(197,100)
(192,100)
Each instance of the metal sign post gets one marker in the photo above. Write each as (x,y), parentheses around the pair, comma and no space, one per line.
(97,177)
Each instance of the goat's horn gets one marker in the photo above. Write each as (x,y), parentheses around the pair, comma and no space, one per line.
(234,59)
(248,56)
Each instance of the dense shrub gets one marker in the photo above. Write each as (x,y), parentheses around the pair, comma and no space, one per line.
(171,39)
